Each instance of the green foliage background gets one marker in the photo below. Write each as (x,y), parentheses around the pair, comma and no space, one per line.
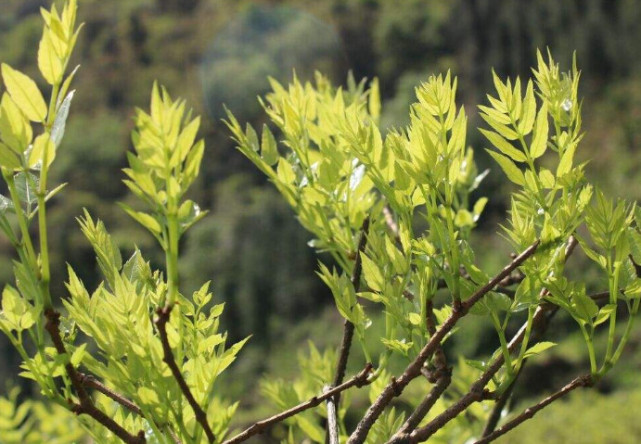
(220,51)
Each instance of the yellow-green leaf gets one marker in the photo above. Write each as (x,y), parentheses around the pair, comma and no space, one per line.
(372,274)
(540,138)
(504,146)
(529,111)
(269,150)
(565,164)
(285,171)
(25,93)
(8,158)
(509,168)
(43,148)
(48,62)
(374,102)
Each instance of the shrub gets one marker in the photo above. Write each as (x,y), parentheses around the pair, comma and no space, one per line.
(137,361)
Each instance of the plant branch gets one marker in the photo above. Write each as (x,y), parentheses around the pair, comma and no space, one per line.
(348,327)
(580,381)
(91,382)
(332,420)
(477,391)
(358,380)
(541,327)
(440,376)
(86,405)
(168,357)
(391,223)
(396,386)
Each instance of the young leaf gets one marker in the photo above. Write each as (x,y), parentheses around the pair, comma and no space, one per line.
(58,127)
(25,93)
(538,348)
(49,63)
(509,168)
(540,138)
(269,150)
(529,111)
(504,146)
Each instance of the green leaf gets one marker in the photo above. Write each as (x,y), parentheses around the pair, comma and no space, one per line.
(399,346)
(15,128)
(78,354)
(58,127)
(528,112)
(285,171)
(269,150)
(26,186)
(49,63)
(144,219)
(547,178)
(43,148)
(25,93)
(148,396)
(604,313)
(586,308)
(372,274)
(8,158)
(504,146)
(509,168)
(479,206)
(540,138)
(538,348)
(500,128)
(414,318)
(565,164)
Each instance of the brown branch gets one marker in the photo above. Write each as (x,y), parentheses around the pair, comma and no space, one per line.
(85,404)
(476,393)
(501,402)
(580,381)
(168,357)
(348,327)
(332,420)
(358,380)
(91,382)
(396,386)
(440,376)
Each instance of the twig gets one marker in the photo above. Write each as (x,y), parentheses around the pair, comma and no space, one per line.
(396,386)
(580,381)
(358,380)
(86,405)
(391,223)
(168,357)
(441,377)
(501,402)
(476,393)
(348,327)
(332,420)
(91,382)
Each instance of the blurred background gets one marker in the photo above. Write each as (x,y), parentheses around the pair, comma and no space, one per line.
(215,52)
